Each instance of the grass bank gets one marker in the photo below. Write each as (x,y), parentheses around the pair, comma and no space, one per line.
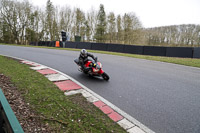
(61,113)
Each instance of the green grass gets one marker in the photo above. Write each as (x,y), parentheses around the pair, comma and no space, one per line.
(181,61)
(62,113)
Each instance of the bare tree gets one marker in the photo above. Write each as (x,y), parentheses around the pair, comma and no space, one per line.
(92,22)
(111,27)
(50,13)
(100,33)
(9,15)
(119,29)
(131,28)
(176,35)
(23,12)
(66,19)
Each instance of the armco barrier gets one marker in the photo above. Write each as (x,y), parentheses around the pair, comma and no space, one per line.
(155,51)
(8,120)
(99,46)
(132,49)
(70,44)
(196,52)
(185,52)
(84,45)
(116,48)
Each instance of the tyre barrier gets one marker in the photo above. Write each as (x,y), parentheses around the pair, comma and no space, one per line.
(183,52)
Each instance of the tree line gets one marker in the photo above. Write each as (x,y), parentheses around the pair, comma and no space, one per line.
(21,23)
(176,35)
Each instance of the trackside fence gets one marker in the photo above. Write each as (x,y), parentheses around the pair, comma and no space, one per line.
(184,52)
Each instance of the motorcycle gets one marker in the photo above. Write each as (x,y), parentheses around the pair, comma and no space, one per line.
(95,69)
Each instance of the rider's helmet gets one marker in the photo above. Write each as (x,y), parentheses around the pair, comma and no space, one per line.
(83,53)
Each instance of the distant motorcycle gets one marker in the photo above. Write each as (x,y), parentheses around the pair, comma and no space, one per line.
(96,68)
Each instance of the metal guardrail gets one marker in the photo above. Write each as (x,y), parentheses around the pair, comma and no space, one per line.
(8,120)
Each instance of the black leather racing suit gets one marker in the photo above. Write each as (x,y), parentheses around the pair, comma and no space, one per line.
(83,60)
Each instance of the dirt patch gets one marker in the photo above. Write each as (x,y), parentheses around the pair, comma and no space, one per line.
(22,110)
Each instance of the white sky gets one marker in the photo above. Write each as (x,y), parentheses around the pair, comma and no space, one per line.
(151,13)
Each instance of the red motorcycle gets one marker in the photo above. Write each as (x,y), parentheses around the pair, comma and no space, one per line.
(95,69)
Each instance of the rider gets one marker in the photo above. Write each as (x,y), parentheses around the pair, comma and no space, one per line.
(83,58)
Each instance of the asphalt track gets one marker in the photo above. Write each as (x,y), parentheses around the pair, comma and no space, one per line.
(165,97)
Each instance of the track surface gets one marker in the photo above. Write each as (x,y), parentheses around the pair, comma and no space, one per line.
(165,97)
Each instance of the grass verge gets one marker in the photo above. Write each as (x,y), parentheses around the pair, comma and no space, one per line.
(61,113)
(181,61)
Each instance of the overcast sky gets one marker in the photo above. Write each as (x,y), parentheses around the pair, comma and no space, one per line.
(151,13)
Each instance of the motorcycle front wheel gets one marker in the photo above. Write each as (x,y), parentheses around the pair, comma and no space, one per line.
(105,76)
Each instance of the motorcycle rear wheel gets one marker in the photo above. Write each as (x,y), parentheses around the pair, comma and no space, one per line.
(105,76)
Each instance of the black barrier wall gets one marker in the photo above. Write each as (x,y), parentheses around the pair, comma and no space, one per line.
(155,51)
(132,49)
(99,46)
(70,45)
(196,52)
(61,44)
(185,52)
(84,45)
(116,48)
(52,44)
